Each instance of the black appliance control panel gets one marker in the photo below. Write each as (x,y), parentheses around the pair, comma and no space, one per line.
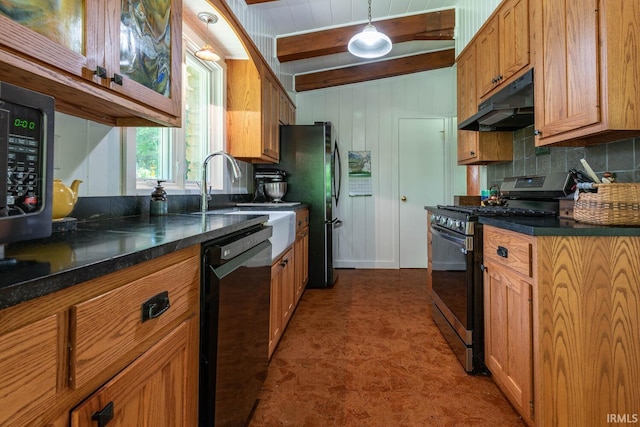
(21,190)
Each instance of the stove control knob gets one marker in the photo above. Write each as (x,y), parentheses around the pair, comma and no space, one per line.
(442,220)
(459,225)
(450,223)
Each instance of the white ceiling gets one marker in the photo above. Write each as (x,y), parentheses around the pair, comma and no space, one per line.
(290,17)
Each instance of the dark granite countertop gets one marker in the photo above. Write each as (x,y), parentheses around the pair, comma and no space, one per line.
(38,267)
(554,226)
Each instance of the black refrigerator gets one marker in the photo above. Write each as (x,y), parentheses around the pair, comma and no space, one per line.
(309,155)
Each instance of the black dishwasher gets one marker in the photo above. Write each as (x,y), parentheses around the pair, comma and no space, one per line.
(234,325)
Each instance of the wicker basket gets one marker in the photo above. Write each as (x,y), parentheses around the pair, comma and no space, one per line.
(613,204)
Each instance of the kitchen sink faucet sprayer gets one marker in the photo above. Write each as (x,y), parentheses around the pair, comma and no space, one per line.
(235,169)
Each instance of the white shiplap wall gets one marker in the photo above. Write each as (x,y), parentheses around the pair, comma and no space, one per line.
(470,15)
(366,118)
(263,37)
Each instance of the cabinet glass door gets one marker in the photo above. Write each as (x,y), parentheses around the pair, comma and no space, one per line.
(145,43)
(143,51)
(60,21)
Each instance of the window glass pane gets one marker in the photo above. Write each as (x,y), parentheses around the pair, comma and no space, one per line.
(153,154)
(196,113)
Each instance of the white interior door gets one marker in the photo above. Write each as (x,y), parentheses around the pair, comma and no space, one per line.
(421,183)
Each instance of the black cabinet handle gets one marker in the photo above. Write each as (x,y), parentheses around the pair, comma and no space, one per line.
(117,79)
(104,416)
(503,252)
(155,306)
(101,72)
(537,132)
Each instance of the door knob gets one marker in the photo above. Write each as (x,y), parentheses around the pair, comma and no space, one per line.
(403,198)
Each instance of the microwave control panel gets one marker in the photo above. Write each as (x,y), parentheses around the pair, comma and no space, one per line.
(21,139)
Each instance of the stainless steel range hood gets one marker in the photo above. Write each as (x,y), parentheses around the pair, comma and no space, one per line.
(508,110)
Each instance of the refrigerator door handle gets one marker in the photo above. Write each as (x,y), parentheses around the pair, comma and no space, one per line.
(336,171)
(337,223)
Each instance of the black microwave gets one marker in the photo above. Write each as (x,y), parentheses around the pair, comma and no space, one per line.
(26,153)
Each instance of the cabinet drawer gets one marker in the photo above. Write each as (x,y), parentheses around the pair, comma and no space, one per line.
(111,328)
(511,249)
(302,220)
(29,360)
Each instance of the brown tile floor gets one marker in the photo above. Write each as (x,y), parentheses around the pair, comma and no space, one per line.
(366,353)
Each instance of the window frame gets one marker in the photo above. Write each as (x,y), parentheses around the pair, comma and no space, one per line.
(179,184)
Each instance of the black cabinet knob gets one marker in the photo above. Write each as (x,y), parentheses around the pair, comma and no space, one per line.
(117,79)
(101,72)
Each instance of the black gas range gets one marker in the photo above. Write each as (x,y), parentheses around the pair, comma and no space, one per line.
(456,272)
(463,218)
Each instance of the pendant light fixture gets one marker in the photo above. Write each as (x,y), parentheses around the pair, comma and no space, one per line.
(207,53)
(369,43)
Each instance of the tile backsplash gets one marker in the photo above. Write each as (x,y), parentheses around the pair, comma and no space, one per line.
(620,157)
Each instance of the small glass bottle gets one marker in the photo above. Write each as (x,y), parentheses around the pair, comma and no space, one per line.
(159,203)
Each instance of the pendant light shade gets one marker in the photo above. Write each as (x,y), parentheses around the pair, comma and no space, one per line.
(369,43)
(206,53)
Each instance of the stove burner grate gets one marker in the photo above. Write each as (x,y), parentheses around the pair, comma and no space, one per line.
(498,211)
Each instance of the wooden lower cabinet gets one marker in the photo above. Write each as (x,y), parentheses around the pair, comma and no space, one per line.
(155,390)
(282,297)
(301,250)
(508,335)
(66,355)
(581,324)
(29,373)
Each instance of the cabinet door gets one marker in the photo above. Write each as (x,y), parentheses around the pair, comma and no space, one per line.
(270,118)
(156,390)
(467,83)
(288,286)
(143,51)
(467,146)
(275,319)
(509,335)
(488,50)
(28,374)
(301,262)
(514,37)
(567,75)
(64,40)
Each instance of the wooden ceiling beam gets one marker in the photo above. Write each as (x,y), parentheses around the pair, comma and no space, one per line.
(426,26)
(375,70)
(250,2)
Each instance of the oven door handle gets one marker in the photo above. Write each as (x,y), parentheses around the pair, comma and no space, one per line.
(465,243)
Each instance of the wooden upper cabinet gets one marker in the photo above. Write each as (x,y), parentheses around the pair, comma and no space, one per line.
(488,44)
(503,45)
(467,87)
(87,60)
(252,120)
(139,54)
(514,37)
(256,106)
(477,147)
(586,71)
(270,118)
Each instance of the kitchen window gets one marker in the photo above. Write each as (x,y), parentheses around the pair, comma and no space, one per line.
(175,155)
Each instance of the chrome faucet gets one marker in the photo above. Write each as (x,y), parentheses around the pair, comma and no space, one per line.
(235,170)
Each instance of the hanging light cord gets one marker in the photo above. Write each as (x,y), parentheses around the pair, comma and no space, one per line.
(369,11)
